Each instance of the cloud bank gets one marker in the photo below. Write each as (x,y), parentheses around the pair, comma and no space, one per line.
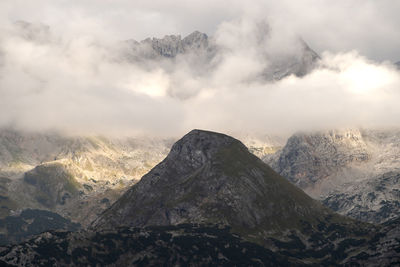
(71,79)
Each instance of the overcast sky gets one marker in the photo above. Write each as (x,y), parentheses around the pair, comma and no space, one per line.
(67,80)
(371,27)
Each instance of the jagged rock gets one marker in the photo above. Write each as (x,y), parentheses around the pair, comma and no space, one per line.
(206,50)
(299,64)
(195,41)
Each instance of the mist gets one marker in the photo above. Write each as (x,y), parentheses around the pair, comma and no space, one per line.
(73,78)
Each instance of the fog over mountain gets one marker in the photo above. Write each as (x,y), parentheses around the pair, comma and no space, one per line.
(75,75)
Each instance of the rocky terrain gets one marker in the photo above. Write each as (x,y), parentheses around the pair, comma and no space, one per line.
(376,199)
(212,201)
(353,171)
(77,177)
(212,178)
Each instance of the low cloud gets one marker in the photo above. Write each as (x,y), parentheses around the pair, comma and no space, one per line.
(79,84)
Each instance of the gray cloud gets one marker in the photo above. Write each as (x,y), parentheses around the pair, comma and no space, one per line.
(368,26)
(69,78)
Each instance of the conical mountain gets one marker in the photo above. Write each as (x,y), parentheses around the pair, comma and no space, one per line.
(212,178)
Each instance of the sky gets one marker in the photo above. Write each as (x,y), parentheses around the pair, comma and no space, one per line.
(68,79)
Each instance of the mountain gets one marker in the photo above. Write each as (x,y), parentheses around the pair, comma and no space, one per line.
(376,199)
(398,64)
(75,176)
(307,159)
(171,45)
(199,51)
(353,171)
(78,177)
(212,178)
(211,201)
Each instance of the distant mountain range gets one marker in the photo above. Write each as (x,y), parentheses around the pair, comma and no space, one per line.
(211,194)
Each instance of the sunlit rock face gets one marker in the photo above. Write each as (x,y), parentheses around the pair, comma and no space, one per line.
(355,172)
(77,177)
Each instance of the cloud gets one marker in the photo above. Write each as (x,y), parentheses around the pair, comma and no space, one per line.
(368,26)
(70,77)
(348,91)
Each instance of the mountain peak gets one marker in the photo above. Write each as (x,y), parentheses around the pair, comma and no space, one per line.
(205,143)
(212,178)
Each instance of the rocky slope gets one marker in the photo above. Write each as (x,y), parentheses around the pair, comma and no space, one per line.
(77,177)
(353,171)
(223,194)
(309,159)
(212,178)
(376,199)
